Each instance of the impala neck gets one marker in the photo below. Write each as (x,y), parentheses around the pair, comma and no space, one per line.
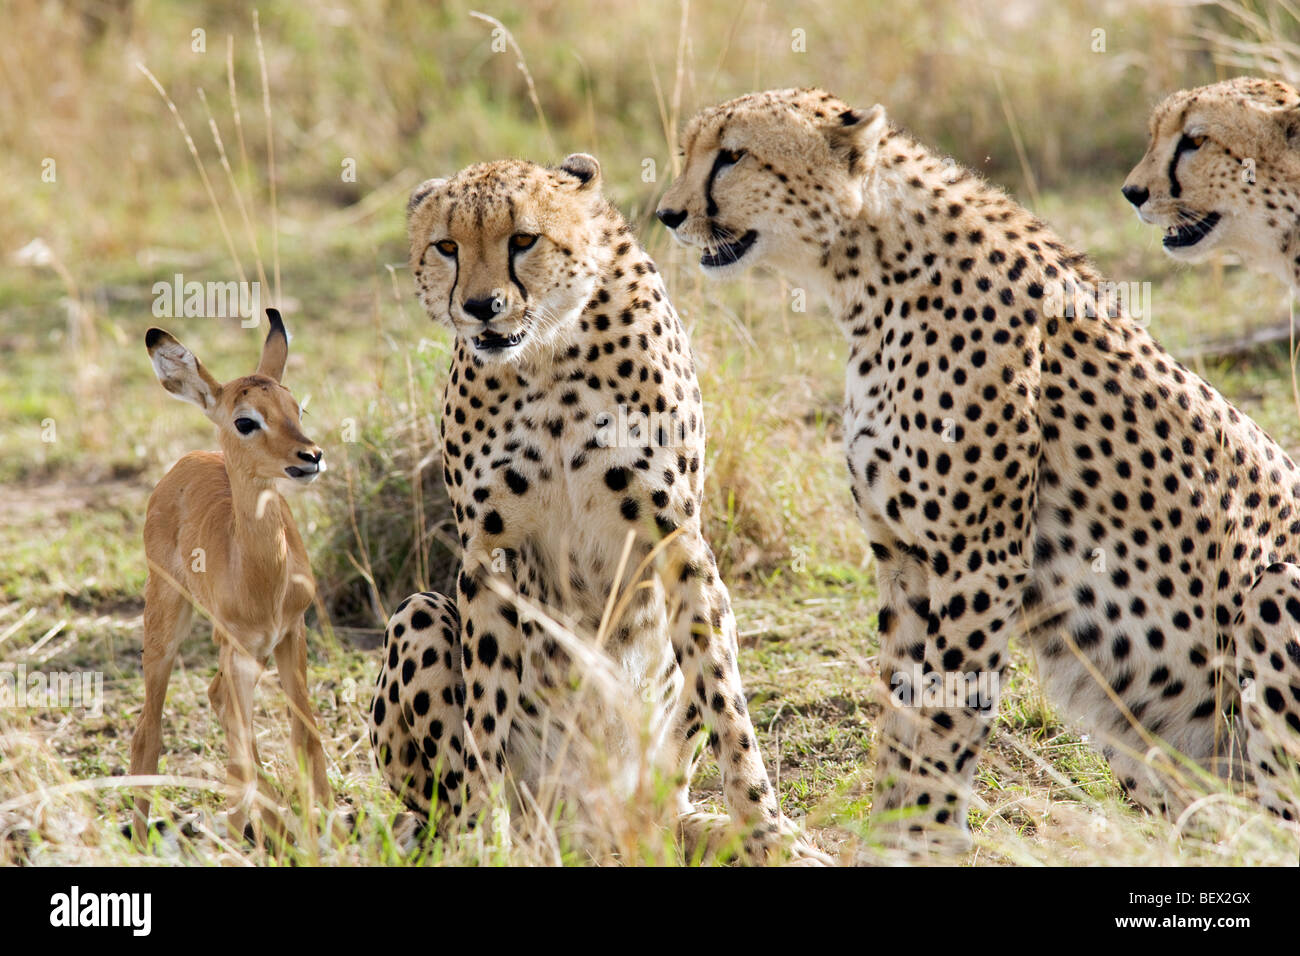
(259,533)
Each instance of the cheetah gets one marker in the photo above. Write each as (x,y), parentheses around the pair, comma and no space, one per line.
(1222,171)
(573,452)
(1025,460)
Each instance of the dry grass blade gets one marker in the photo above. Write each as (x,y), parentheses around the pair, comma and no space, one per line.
(249,233)
(234,108)
(522,64)
(198,164)
(1013,126)
(270,156)
(363,566)
(679,75)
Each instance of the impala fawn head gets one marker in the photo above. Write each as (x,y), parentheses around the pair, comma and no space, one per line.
(256,417)
(219,537)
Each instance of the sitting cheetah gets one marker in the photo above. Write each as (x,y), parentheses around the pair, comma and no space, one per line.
(573,450)
(1023,461)
(1222,171)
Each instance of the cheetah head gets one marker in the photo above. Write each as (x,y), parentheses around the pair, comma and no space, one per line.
(768,177)
(1222,170)
(508,253)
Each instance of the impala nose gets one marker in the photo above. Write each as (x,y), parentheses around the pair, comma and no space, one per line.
(312,465)
(672,218)
(1137,195)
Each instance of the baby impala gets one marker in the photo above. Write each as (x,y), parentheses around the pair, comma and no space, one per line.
(218,535)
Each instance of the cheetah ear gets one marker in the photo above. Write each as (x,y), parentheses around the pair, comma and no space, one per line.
(1285,120)
(1289,121)
(854,135)
(584,168)
(421,193)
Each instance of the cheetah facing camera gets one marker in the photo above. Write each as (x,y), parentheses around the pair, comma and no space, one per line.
(1222,171)
(1024,459)
(532,678)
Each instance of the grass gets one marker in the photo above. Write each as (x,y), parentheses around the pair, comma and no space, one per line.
(413,92)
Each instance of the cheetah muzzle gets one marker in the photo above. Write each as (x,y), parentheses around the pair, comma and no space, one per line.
(1222,171)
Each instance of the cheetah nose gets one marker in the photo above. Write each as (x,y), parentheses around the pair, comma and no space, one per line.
(672,218)
(1137,195)
(484,309)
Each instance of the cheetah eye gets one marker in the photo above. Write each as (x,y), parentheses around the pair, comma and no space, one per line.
(522,240)
(727,157)
(1190,143)
(446,247)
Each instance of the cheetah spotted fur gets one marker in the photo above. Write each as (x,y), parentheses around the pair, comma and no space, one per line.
(1003,431)
(561,319)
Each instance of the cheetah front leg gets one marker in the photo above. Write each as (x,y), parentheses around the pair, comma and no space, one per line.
(491,664)
(417,715)
(703,630)
(903,623)
(943,656)
(1268,660)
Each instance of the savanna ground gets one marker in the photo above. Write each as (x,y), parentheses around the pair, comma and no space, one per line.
(399,92)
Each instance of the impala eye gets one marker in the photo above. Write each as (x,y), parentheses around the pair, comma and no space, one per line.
(246,426)
(446,247)
(522,240)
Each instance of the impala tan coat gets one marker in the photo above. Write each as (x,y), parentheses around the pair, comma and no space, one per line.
(220,536)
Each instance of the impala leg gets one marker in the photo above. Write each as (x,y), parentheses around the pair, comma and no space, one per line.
(167,615)
(291,660)
(231,694)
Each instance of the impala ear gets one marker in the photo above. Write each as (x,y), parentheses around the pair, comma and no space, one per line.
(583,167)
(275,351)
(180,371)
(854,135)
